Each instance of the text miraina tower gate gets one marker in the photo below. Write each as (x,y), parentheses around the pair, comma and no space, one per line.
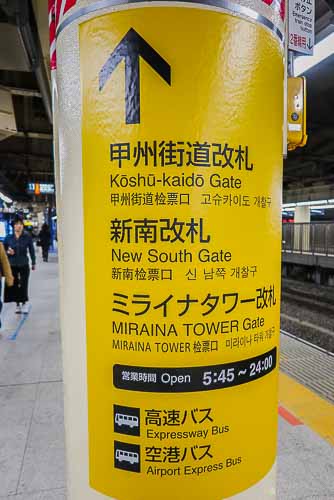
(169,119)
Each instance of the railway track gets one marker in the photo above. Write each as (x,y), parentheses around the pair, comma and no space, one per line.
(308,313)
(308,363)
(318,304)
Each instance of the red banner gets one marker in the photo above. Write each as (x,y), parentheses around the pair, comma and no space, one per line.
(52,32)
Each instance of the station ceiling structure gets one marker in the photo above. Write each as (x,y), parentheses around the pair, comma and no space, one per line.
(25,86)
(308,171)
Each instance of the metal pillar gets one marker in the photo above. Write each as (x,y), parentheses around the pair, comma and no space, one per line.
(170,142)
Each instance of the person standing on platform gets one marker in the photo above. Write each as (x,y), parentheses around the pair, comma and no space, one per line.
(17,247)
(5,272)
(44,241)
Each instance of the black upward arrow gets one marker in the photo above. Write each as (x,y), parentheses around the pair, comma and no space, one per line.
(130,48)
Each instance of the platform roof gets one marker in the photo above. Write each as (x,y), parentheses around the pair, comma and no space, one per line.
(308,171)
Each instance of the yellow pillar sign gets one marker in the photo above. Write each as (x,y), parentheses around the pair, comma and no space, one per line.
(182,170)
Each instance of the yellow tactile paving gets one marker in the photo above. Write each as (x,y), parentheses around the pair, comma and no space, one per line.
(310,408)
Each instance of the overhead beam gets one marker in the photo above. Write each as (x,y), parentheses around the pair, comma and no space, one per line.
(34,135)
(330,4)
(23,92)
(324,25)
(33,176)
(311,159)
(33,48)
(26,156)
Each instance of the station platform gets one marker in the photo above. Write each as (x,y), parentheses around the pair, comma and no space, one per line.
(310,259)
(32,450)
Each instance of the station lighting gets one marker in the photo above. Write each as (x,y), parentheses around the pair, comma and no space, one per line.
(327,207)
(320,207)
(318,204)
(306,203)
(289,205)
(5,198)
(322,50)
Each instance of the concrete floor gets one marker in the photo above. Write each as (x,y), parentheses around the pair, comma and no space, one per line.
(32,453)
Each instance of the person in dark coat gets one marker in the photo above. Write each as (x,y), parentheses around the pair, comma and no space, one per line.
(44,239)
(17,247)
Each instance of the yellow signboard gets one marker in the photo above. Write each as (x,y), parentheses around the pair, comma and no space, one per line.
(182,189)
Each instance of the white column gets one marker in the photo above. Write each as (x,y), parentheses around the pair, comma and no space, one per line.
(303,214)
(302,231)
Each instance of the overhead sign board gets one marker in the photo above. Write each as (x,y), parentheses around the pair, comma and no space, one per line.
(37,188)
(301,26)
